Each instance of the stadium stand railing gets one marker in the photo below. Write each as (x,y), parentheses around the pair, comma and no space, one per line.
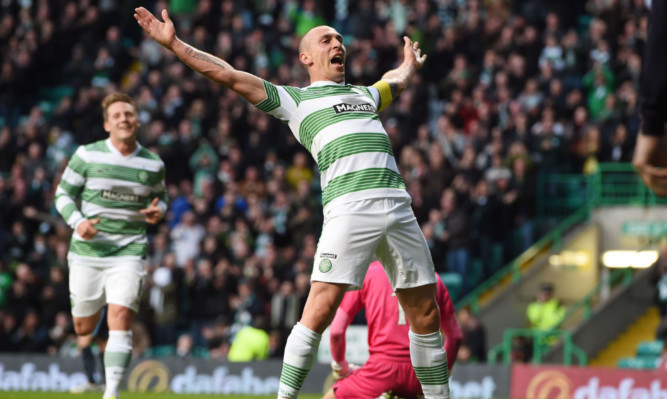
(567,201)
(513,271)
(577,312)
(542,342)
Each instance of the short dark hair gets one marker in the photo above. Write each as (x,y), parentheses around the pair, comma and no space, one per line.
(547,287)
(114,98)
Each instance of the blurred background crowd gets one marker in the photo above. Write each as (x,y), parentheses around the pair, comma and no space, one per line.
(512,89)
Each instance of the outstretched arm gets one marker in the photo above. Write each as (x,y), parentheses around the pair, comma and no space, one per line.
(245,84)
(395,81)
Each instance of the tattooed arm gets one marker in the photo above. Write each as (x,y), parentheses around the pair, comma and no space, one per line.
(399,78)
(245,84)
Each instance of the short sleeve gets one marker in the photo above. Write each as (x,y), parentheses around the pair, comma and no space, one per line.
(280,102)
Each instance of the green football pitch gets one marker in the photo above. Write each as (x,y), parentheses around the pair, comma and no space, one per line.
(133,395)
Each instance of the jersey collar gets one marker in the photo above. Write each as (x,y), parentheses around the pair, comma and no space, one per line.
(114,150)
(320,83)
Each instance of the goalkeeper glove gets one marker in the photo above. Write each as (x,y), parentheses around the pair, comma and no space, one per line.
(342,369)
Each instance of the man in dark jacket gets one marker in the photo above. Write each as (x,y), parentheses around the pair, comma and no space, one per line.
(650,159)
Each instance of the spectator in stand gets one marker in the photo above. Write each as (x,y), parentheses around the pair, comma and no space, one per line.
(207,299)
(546,312)
(250,342)
(473,346)
(164,298)
(487,226)
(186,236)
(456,235)
(285,307)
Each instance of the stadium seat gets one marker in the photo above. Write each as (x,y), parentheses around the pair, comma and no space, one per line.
(160,351)
(454,283)
(200,352)
(639,363)
(475,273)
(56,93)
(497,254)
(650,348)
(47,108)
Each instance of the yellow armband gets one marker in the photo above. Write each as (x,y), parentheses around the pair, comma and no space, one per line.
(385,94)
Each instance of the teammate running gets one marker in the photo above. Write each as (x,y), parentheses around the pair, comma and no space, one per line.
(366,206)
(388,369)
(121,185)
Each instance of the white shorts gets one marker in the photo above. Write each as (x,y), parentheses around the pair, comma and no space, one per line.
(353,232)
(91,287)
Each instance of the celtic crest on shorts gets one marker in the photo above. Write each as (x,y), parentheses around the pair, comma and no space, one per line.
(325,265)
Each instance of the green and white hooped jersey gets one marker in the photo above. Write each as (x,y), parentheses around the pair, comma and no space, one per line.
(114,188)
(340,126)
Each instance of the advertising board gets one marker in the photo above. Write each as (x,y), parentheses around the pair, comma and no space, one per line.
(559,382)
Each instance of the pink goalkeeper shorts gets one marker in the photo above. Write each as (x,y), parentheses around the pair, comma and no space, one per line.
(376,377)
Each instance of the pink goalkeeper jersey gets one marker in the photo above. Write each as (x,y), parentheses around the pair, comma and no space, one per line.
(387,325)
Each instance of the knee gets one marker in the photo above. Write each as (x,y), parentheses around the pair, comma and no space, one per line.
(319,317)
(83,327)
(120,318)
(321,305)
(431,316)
(425,318)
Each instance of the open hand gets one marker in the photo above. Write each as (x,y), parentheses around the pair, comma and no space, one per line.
(413,54)
(163,32)
(86,229)
(153,213)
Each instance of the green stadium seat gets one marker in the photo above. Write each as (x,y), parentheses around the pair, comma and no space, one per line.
(454,283)
(160,351)
(475,273)
(650,348)
(56,93)
(46,107)
(51,96)
(200,352)
(497,252)
(639,363)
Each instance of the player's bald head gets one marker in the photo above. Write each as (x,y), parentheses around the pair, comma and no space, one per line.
(322,52)
(311,35)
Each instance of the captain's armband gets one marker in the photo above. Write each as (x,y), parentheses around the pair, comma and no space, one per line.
(386,93)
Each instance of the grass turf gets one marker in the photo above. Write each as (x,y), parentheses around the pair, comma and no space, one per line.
(132,395)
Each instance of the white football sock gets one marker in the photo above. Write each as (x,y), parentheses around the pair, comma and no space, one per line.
(117,358)
(430,363)
(300,353)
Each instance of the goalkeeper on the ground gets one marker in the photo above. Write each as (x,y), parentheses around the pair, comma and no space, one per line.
(388,370)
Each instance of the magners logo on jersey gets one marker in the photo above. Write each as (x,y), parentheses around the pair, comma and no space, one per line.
(122,197)
(346,107)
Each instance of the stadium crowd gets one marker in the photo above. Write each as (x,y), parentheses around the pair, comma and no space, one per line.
(511,89)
